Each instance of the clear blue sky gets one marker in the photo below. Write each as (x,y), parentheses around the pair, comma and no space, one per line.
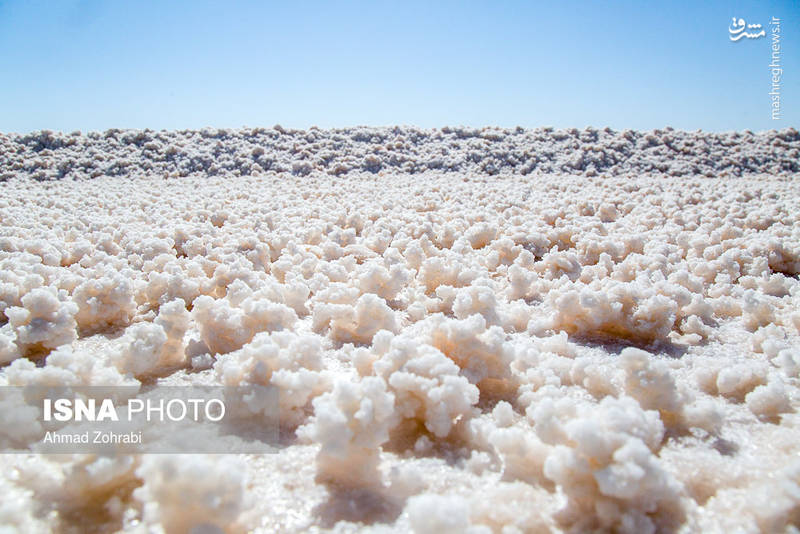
(91,65)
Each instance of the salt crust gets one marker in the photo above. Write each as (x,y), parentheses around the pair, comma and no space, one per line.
(50,155)
(615,347)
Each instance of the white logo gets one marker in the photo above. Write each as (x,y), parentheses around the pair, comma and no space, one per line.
(737,27)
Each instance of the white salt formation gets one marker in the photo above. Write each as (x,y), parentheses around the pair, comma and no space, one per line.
(50,155)
(471,330)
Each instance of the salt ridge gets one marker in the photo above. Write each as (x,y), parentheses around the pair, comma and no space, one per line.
(47,155)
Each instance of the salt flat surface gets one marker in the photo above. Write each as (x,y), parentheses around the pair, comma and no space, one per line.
(471,330)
